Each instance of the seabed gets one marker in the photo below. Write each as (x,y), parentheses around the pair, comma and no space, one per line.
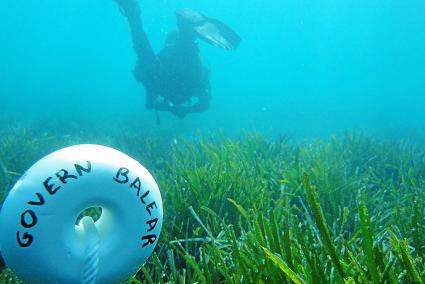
(345,209)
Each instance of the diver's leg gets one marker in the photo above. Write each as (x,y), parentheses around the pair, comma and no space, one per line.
(147,67)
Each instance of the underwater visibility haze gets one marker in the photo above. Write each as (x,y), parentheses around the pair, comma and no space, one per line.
(302,159)
(303,67)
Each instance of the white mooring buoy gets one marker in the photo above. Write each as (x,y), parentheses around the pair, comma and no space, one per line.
(39,238)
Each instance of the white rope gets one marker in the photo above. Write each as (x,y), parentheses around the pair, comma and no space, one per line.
(91,262)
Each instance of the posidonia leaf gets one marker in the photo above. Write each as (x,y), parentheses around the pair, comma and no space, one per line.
(285,268)
(240,208)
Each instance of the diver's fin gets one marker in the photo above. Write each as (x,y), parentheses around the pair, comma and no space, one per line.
(129,8)
(217,33)
(122,11)
(208,29)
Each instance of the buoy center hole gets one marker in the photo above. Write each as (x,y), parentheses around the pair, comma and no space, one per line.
(95,212)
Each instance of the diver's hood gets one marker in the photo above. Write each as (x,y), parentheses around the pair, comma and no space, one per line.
(208,29)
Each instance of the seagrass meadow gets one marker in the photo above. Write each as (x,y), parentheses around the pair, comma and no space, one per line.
(345,209)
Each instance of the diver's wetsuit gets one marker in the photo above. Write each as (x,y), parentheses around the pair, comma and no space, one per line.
(174,76)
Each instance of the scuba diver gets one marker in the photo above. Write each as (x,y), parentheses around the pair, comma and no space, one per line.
(175,79)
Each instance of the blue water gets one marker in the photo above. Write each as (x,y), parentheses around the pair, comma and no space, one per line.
(304,68)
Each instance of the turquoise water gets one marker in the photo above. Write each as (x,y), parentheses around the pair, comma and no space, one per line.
(306,68)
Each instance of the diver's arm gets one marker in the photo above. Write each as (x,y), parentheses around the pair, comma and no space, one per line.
(201,105)
(177,110)
(203,102)
(181,111)
(147,61)
(165,105)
